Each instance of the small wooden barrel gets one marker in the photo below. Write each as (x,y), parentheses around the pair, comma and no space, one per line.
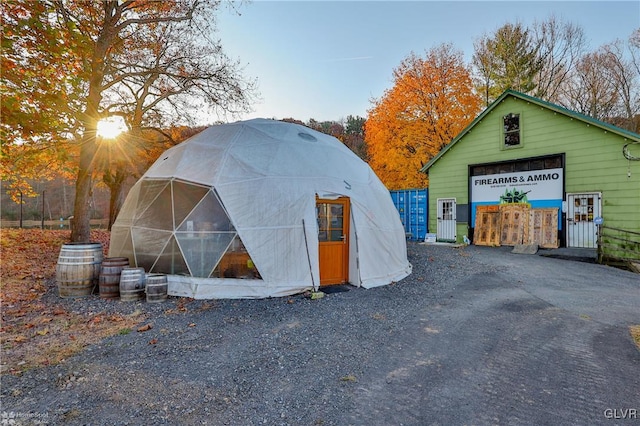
(109,281)
(78,269)
(156,288)
(131,284)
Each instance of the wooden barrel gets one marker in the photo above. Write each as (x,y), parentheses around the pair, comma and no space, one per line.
(156,288)
(78,269)
(109,281)
(131,284)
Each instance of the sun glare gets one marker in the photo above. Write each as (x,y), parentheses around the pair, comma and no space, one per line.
(111,127)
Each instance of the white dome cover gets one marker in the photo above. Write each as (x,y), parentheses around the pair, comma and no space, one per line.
(266,175)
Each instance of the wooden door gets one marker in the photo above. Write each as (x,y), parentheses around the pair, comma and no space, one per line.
(487,226)
(543,227)
(333,237)
(514,223)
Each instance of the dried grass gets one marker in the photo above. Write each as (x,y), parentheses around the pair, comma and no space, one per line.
(32,333)
(635,334)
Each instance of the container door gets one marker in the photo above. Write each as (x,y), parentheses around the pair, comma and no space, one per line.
(582,209)
(417,199)
(446,219)
(333,237)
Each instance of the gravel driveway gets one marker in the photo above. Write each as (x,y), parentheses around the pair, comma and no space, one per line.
(475,335)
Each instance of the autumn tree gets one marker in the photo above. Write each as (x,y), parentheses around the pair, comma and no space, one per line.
(153,59)
(626,77)
(41,75)
(633,123)
(591,90)
(560,47)
(164,73)
(431,101)
(634,50)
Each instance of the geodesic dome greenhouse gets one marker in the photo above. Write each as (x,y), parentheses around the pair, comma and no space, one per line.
(261,208)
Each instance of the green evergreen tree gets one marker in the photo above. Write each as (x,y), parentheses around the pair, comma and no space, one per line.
(507,60)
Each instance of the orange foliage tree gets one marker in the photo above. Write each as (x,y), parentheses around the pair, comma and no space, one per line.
(41,75)
(431,101)
(83,61)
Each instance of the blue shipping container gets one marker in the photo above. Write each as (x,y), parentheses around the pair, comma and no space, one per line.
(412,205)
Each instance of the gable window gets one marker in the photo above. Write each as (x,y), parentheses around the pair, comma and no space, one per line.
(511,124)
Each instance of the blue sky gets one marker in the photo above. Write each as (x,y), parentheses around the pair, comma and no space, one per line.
(327,59)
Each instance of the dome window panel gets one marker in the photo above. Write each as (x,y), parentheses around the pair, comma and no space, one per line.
(148,244)
(208,216)
(125,246)
(159,214)
(171,261)
(149,190)
(186,197)
(236,263)
(203,250)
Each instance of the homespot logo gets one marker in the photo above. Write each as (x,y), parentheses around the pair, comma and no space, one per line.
(621,413)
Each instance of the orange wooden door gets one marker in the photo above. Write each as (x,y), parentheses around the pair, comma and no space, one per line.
(514,221)
(333,236)
(543,227)
(487,230)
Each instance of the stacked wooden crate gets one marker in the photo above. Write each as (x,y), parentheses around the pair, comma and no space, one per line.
(514,224)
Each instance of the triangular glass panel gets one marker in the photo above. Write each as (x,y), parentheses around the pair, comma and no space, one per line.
(148,244)
(149,190)
(171,261)
(121,244)
(236,263)
(203,250)
(186,197)
(208,216)
(158,215)
(128,209)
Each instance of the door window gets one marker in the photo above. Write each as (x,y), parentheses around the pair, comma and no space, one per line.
(447,210)
(330,222)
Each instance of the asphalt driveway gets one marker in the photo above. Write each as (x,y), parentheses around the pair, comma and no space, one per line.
(535,341)
(475,336)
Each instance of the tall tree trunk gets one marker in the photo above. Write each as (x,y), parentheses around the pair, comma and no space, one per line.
(80,227)
(115,182)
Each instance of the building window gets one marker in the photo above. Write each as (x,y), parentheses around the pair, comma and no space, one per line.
(511,129)
(522,165)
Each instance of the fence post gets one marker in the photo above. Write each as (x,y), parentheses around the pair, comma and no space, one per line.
(42,218)
(20,191)
(599,239)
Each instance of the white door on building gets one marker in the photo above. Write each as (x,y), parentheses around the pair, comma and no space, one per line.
(446,219)
(582,209)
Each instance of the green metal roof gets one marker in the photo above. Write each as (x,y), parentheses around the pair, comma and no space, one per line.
(557,108)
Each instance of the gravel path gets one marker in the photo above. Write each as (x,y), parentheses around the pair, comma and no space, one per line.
(440,347)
